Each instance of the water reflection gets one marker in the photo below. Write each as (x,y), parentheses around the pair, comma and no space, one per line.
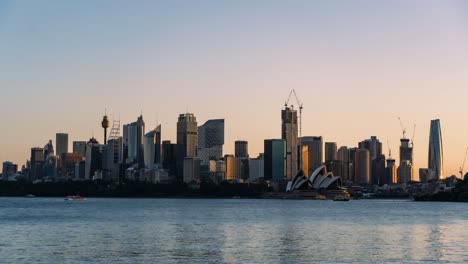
(227,231)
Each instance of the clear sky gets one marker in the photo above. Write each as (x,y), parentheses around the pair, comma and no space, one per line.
(356,65)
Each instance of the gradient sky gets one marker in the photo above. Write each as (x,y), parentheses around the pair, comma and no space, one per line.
(356,65)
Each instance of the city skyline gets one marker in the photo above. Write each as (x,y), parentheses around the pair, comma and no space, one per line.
(65,80)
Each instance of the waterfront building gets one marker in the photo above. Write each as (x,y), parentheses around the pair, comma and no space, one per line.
(436,154)
(315,155)
(289,132)
(241,149)
(61,143)
(275,159)
(362,166)
(187,141)
(210,141)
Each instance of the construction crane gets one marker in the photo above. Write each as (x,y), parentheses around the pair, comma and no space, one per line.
(389,150)
(412,138)
(402,127)
(299,103)
(463,165)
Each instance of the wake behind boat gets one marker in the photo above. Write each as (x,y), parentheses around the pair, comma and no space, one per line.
(75,198)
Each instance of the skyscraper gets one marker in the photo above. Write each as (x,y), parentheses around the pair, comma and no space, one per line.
(391,174)
(406,152)
(61,143)
(94,158)
(169,157)
(436,153)
(405,172)
(289,133)
(211,141)
(315,145)
(330,151)
(133,140)
(405,169)
(274,159)
(37,161)
(362,166)
(233,167)
(152,147)
(343,157)
(79,147)
(187,141)
(8,169)
(375,154)
(241,149)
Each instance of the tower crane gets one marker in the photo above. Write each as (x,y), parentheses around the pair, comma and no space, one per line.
(299,103)
(402,127)
(412,138)
(463,165)
(389,150)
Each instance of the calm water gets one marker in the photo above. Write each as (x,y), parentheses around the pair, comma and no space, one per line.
(51,230)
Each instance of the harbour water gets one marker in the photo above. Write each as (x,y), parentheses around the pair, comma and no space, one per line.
(51,230)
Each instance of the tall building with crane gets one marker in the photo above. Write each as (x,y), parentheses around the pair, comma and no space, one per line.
(405,168)
(289,132)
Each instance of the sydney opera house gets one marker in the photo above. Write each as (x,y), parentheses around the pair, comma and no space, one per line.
(320,184)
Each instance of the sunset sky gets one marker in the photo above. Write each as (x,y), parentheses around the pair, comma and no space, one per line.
(356,65)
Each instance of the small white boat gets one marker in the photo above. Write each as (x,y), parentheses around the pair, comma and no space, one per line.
(75,198)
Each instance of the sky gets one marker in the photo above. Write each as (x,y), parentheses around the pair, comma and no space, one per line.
(355,65)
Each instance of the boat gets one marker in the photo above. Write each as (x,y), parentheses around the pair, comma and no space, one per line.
(75,198)
(29,196)
(341,198)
